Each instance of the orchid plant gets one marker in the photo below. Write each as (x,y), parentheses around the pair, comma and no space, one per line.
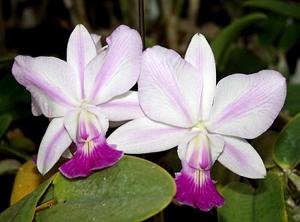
(80,97)
(183,107)
(178,104)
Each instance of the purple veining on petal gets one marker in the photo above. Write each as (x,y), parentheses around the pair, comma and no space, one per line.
(250,99)
(172,89)
(49,90)
(111,58)
(85,161)
(205,160)
(198,153)
(195,188)
(81,64)
(87,127)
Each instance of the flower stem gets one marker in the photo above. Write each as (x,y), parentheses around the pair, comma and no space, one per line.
(141,21)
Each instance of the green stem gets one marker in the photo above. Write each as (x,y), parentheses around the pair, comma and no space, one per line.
(159,217)
(141,21)
(14,152)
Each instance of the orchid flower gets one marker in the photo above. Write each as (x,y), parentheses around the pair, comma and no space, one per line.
(82,95)
(185,108)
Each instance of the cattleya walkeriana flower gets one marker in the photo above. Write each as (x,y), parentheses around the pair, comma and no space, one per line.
(185,108)
(81,95)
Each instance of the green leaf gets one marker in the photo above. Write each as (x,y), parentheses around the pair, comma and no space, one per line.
(24,209)
(241,60)
(292,102)
(290,36)
(286,152)
(132,190)
(264,145)
(5,148)
(279,7)
(244,203)
(14,99)
(294,178)
(271,29)
(229,33)
(6,61)
(5,121)
(9,166)
(17,140)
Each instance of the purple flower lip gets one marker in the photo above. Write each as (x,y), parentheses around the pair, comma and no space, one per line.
(197,190)
(84,162)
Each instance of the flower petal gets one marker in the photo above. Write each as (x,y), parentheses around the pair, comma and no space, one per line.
(100,156)
(169,88)
(200,55)
(123,107)
(246,105)
(90,119)
(50,82)
(80,51)
(146,136)
(196,189)
(241,158)
(54,143)
(121,67)
(201,151)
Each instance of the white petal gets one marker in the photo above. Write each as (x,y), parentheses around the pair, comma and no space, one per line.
(75,117)
(216,145)
(80,51)
(54,143)
(71,121)
(200,55)
(102,123)
(241,158)
(146,136)
(121,67)
(200,149)
(246,105)
(123,107)
(50,82)
(169,88)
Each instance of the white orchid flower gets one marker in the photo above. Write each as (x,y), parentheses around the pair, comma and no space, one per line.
(81,95)
(185,108)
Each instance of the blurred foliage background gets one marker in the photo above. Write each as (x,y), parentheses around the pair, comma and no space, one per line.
(246,36)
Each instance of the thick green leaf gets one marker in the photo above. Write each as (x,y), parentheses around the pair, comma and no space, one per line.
(132,190)
(5,121)
(271,29)
(286,152)
(9,166)
(292,102)
(24,210)
(264,146)
(280,7)
(290,36)
(241,60)
(244,203)
(229,33)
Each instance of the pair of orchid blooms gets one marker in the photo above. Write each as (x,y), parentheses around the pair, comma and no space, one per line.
(177,104)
